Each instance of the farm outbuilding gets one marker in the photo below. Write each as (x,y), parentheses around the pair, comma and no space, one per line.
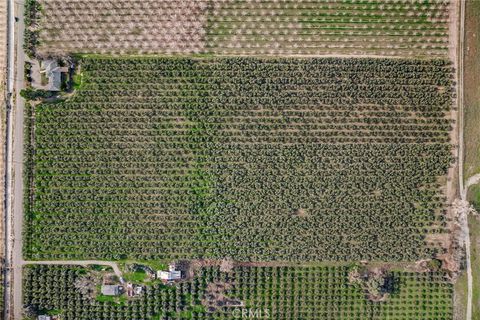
(111,290)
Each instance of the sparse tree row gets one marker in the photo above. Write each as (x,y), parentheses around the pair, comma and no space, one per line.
(275,292)
(207,158)
(231,27)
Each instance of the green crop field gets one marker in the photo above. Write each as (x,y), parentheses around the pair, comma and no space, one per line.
(269,292)
(256,159)
(231,27)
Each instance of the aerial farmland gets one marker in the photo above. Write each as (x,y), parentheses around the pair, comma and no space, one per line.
(242,159)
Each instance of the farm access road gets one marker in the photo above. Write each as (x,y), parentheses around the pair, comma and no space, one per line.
(463,219)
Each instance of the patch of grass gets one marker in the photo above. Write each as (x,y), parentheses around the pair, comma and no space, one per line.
(154,264)
(43,79)
(460,300)
(77,81)
(119,300)
(103,298)
(474,196)
(54,312)
(137,276)
(472,94)
(474,225)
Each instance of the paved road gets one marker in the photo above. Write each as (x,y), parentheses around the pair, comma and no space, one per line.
(8,161)
(14,174)
(14,166)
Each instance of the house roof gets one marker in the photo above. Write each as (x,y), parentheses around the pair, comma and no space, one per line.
(170,275)
(54,74)
(110,290)
(44,317)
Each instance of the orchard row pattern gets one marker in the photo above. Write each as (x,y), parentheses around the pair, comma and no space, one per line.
(272,292)
(230,27)
(250,158)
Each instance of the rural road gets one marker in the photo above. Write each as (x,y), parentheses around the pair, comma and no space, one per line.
(464,221)
(14,165)
(9,102)
(463,188)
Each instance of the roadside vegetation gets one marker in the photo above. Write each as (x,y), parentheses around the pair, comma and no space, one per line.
(471,91)
(31,34)
(275,292)
(474,226)
(474,196)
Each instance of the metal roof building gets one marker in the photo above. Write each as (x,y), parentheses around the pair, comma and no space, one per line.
(111,290)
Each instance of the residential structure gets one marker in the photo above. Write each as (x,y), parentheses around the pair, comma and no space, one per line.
(52,73)
(171,275)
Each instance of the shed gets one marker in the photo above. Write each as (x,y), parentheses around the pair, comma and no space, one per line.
(111,290)
(43,317)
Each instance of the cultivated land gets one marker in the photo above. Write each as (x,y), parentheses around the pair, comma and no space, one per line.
(256,159)
(277,292)
(374,27)
(291,166)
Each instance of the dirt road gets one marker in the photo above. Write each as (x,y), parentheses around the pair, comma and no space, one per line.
(463,188)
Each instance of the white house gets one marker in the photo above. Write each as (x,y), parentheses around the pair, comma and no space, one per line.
(171,275)
(53,72)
